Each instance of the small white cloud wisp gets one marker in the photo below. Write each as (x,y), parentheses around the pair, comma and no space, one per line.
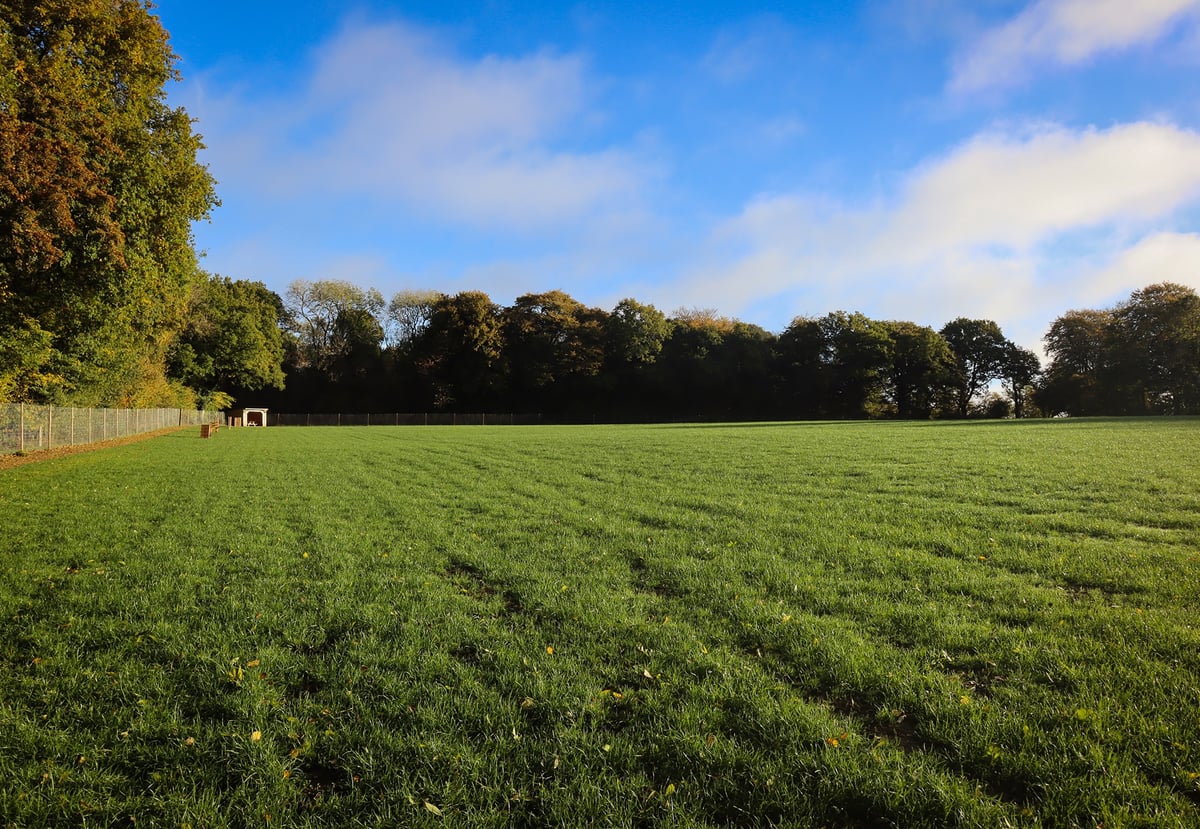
(1062,33)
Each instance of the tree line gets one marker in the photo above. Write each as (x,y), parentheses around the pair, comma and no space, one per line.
(103,302)
(331,346)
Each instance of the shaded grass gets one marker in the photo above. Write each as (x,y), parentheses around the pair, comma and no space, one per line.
(798,624)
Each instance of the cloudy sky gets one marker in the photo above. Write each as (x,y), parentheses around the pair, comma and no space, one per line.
(910,159)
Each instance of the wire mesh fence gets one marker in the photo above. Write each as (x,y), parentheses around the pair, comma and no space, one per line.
(25,427)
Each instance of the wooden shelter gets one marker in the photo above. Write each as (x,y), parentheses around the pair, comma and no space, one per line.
(248,417)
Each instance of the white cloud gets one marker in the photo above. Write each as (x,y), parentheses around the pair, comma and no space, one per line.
(1062,32)
(390,114)
(1015,192)
(1007,227)
(740,52)
(1160,257)
(783,130)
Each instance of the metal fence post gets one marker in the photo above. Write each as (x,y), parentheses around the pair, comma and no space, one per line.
(50,429)
(21,440)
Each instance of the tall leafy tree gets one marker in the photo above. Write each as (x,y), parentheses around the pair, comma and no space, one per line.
(408,314)
(860,351)
(325,316)
(636,333)
(1141,357)
(358,368)
(1077,379)
(1019,373)
(458,353)
(99,186)
(979,349)
(921,366)
(744,371)
(232,342)
(634,337)
(802,359)
(554,348)
(836,365)
(1156,342)
(688,378)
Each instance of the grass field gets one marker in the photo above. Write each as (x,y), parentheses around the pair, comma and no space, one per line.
(881,624)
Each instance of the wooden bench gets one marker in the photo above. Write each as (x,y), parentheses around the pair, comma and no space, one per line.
(206,429)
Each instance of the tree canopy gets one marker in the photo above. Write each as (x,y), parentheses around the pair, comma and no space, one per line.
(99,186)
(231,342)
(1141,357)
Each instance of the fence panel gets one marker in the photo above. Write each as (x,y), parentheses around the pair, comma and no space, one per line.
(25,427)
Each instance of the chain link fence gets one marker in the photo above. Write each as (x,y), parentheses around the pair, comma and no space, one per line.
(26,428)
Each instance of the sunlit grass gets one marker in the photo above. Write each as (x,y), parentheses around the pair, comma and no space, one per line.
(825,624)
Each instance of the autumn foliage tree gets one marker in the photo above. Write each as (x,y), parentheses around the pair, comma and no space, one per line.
(99,186)
(554,346)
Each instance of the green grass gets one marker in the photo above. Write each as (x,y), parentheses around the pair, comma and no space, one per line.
(971,624)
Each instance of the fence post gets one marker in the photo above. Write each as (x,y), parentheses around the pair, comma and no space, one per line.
(21,440)
(71,440)
(50,429)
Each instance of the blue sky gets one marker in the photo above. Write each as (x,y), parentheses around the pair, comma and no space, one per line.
(911,159)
